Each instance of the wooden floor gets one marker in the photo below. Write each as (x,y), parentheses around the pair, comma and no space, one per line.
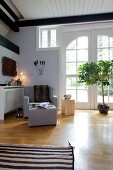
(89,132)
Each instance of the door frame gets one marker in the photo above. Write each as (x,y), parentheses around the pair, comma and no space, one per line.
(68,37)
(107,32)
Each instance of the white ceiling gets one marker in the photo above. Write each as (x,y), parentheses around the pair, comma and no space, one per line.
(34,9)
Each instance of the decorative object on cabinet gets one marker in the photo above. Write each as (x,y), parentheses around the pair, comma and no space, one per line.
(13,82)
(40,66)
(19,82)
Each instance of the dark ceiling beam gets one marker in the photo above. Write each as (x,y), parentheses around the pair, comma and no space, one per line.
(8,44)
(8,21)
(65,20)
(8,9)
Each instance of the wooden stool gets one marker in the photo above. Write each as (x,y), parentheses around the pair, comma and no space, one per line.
(67,106)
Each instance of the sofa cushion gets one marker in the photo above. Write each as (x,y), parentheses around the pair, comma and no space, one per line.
(41,93)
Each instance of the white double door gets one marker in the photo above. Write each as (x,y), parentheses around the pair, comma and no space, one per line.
(78,48)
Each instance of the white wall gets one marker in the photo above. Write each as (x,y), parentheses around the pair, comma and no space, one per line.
(26,40)
(8,53)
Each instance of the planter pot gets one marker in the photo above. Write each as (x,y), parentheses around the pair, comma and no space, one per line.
(103,108)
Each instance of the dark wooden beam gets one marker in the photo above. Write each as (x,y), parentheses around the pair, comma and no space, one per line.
(8,44)
(8,9)
(8,21)
(65,20)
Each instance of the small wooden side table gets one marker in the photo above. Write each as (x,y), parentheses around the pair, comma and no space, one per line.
(67,106)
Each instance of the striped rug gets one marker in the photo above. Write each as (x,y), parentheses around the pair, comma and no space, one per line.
(15,156)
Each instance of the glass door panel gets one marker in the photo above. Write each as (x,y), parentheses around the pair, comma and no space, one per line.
(71,68)
(71,55)
(82,55)
(76,54)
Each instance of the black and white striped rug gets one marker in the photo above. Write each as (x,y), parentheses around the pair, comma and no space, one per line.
(15,156)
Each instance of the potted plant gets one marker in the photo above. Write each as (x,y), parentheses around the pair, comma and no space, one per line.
(97,73)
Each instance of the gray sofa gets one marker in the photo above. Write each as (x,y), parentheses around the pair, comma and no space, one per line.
(39,116)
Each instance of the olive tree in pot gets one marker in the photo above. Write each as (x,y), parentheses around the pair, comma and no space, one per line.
(97,73)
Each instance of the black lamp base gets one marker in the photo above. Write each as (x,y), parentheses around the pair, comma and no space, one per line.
(20,113)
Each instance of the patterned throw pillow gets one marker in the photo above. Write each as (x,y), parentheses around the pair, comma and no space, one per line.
(41,93)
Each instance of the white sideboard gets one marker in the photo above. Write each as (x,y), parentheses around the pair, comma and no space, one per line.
(11,98)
